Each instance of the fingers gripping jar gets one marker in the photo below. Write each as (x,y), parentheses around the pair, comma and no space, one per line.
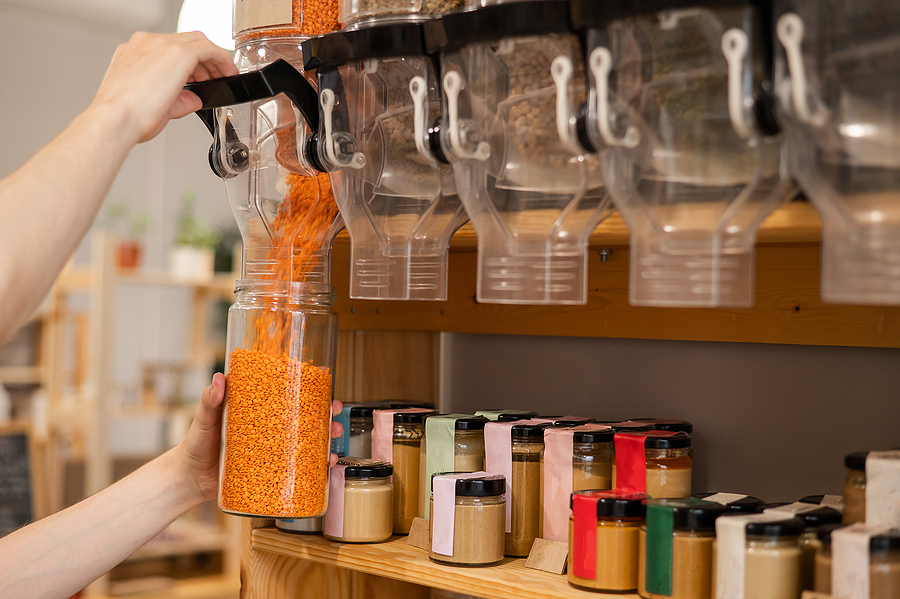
(282,340)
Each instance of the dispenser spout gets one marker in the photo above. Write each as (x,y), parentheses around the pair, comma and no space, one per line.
(277,78)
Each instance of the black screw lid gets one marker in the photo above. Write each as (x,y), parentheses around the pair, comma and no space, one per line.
(696,515)
(820,517)
(662,424)
(599,436)
(482,486)
(515,417)
(856,460)
(789,527)
(745,505)
(676,441)
(888,541)
(823,533)
(411,403)
(365,468)
(473,423)
(364,411)
(568,420)
(630,427)
(622,505)
(814,499)
(529,432)
(411,417)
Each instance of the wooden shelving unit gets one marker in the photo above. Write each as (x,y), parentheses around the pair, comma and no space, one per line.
(397,560)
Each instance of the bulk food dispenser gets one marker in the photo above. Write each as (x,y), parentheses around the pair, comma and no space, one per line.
(378,97)
(837,70)
(681,113)
(533,195)
(282,330)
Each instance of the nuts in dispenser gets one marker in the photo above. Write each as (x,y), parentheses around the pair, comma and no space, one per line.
(354,11)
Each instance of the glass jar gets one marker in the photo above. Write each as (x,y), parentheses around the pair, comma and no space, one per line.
(468,453)
(361,425)
(822,577)
(663,424)
(366,503)
(689,548)
(408,432)
(772,560)
(304,526)
(277,423)
(669,466)
(357,13)
(810,545)
(284,18)
(618,520)
(884,566)
(592,459)
(527,443)
(479,521)
(855,487)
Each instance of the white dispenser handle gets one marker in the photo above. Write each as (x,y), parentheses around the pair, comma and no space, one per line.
(452,86)
(790,34)
(418,92)
(358,160)
(601,64)
(561,69)
(734,47)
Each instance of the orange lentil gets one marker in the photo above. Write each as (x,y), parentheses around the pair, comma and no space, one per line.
(308,18)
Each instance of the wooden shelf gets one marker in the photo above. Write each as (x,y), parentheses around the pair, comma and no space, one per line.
(208,587)
(81,278)
(21,375)
(397,560)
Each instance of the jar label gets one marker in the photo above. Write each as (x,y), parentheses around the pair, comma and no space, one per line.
(333,524)
(850,559)
(584,536)
(883,488)
(257,14)
(498,458)
(658,549)
(631,463)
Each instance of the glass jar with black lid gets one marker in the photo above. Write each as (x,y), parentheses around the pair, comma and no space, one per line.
(822,576)
(479,521)
(884,565)
(513,417)
(810,545)
(527,444)
(361,425)
(772,559)
(593,453)
(663,424)
(367,503)
(855,487)
(407,440)
(739,505)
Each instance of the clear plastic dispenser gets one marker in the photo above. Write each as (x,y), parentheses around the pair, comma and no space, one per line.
(378,98)
(533,194)
(681,113)
(837,67)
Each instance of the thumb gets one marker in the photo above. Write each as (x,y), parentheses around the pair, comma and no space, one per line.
(209,414)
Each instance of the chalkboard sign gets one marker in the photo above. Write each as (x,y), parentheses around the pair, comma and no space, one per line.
(16,505)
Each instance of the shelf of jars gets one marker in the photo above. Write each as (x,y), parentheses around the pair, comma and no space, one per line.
(397,560)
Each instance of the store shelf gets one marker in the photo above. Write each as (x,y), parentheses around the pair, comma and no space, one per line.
(81,278)
(21,375)
(395,559)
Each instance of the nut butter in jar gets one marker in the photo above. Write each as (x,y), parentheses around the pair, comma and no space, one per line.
(603,540)
(772,560)
(884,565)
(475,504)
(677,546)
(527,444)
(407,439)
(655,462)
(822,576)
(855,487)
(592,458)
(457,445)
(360,510)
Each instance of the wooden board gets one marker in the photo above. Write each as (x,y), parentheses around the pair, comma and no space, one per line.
(788,308)
(397,560)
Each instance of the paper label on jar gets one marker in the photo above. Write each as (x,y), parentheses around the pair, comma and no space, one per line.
(793,508)
(557,482)
(731,548)
(658,549)
(440,434)
(725,498)
(631,462)
(256,14)
(883,488)
(444,496)
(850,560)
(498,458)
(584,536)
(383,435)
(833,501)
(333,524)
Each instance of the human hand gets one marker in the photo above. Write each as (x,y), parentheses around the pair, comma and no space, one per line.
(145,79)
(199,451)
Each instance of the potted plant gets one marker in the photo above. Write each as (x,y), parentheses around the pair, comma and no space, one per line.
(129,229)
(193,255)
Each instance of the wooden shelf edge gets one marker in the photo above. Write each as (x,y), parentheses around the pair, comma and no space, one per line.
(397,560)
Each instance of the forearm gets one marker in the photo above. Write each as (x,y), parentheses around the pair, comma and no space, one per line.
(61,554)
(49,204)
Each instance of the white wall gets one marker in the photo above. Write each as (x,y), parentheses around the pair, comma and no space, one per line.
(51,69)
